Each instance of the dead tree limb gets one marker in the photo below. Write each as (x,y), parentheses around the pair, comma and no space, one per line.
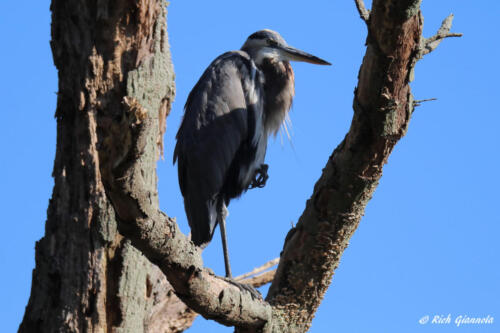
(382,105)
(430,44)
(364,13)
(259,270)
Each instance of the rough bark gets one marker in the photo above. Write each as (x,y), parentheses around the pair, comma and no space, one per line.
(383,105)
(115,90)
(87,277)
(382,110)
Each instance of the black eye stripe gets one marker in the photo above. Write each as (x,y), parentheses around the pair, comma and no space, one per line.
(269,37)
(259,35)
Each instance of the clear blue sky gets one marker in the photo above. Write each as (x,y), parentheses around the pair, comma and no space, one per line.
(428,243)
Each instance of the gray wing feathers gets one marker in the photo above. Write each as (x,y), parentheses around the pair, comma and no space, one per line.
(214,126)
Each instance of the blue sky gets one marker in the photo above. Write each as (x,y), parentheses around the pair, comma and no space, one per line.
(428,244)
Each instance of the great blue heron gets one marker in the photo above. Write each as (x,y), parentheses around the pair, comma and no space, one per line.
(241,99)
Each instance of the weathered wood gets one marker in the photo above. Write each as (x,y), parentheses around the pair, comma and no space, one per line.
(382,105)
(87,277)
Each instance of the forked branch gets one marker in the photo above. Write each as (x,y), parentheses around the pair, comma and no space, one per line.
(312,249)
(157,236)
(431,43)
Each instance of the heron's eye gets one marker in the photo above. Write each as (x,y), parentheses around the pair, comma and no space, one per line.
(271,42)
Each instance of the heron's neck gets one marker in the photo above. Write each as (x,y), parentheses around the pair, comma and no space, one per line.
(279,90)
(263,54)
(267,54)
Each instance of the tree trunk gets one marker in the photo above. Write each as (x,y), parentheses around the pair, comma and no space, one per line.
(87,277)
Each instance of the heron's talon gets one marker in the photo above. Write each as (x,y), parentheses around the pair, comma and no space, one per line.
(261,177)
(254,293)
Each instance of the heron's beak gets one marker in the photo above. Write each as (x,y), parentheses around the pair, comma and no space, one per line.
(293,54)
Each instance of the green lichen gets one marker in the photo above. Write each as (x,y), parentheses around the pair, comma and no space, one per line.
(413,8)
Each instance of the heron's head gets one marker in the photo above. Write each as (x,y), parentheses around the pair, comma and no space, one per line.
(268,44)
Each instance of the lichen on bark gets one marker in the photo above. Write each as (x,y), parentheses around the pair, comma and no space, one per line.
(87,276)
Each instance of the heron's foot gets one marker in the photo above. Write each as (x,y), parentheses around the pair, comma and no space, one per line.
(246,287)
(260,177)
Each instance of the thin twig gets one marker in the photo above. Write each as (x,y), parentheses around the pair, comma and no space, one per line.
(260,280)
(258,270)
(442,36)
(363,12)
(431,43)
(420,101)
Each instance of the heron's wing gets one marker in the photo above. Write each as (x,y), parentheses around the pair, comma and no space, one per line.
(222,113)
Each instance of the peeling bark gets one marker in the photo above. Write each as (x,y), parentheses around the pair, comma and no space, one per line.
(381,115)
(87,277)
(382,105)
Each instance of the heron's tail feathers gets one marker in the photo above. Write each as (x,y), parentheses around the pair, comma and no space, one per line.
(202,218)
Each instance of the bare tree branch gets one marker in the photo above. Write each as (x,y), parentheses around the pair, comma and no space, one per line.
(382,110)
(159,239)
(259,280)
(431,43)
(260,269)
(256,278)
(363,12)
(420,101)
(259,276)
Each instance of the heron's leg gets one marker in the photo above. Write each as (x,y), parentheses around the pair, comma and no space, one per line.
(222,212)
(260,177)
